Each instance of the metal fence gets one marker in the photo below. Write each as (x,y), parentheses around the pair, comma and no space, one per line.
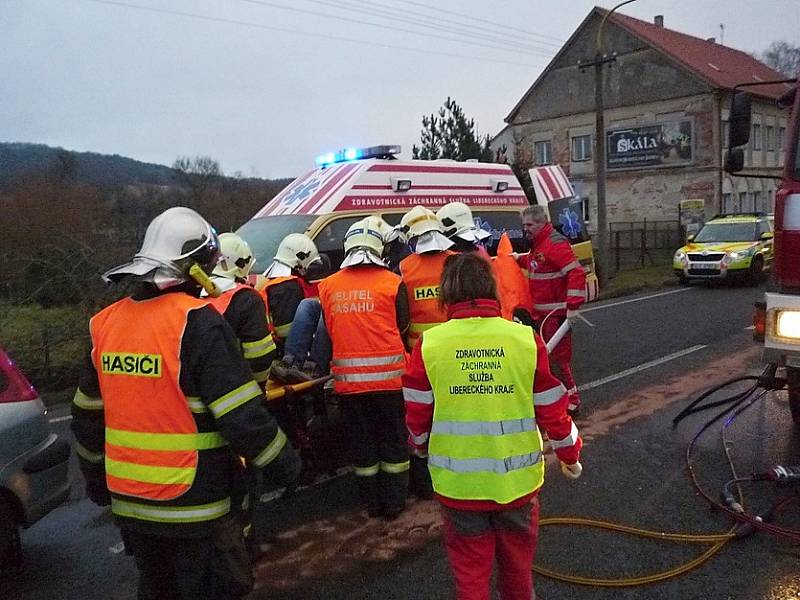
(643,243)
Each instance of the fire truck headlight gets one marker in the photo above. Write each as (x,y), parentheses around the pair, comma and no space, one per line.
(788,324)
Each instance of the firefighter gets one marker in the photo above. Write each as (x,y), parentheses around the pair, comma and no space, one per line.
(242,306)
(421,273)
(474,398)
(285,285)
(307,352)
(558,288)
(459,226)
(164,402)
(365,310)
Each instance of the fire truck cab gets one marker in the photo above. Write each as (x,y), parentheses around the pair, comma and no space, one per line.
(777,319)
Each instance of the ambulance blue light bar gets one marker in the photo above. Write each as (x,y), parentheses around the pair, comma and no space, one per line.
(350,154)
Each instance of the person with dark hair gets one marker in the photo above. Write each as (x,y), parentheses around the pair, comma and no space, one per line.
(558,288)
(477,389)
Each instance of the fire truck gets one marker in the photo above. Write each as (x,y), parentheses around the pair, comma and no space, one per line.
(777,318)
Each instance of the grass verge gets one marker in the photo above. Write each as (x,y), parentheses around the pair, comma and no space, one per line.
(631,281)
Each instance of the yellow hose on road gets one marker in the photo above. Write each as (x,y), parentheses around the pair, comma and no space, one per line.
(718,541)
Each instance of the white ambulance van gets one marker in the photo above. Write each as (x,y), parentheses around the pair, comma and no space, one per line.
(354,183)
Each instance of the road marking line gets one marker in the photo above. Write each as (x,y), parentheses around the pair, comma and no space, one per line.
(678,291)
(59,419)
(751,327)
(642,367)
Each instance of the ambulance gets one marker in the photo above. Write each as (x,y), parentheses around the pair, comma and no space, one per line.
(354,183)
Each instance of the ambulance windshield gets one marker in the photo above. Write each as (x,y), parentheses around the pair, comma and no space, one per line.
(265,234)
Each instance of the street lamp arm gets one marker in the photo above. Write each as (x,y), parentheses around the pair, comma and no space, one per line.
(599,39)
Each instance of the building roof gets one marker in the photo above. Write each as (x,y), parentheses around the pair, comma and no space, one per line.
(721,66)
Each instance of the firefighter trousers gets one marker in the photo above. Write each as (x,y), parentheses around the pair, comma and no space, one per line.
(375,425)
(475,540)
(216,567)
(561,357)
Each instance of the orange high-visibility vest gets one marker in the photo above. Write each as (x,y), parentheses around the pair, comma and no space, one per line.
(223,301)
(422,274)
(512,285)
(264,291)
(152,439)
(359,307)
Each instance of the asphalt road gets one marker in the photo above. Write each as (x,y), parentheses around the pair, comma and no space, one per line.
(640,361)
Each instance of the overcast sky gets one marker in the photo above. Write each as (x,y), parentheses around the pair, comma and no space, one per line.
(264,86)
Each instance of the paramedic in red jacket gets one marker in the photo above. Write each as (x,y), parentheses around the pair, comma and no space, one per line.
(477,390)
(558,287)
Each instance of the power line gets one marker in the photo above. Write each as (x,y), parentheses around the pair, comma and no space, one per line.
(502,26)
(395,14)
(296,32)
(378,25)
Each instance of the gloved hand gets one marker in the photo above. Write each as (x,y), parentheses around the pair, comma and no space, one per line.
(97,492)
(572,471)
(573,316)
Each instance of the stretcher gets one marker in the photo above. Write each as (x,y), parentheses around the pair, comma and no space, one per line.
(276,390)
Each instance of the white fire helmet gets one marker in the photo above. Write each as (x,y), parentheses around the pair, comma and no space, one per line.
(419,220)
(456,219)
(364,234)
(174,241)
(423,231)
(235,257)
(295,252)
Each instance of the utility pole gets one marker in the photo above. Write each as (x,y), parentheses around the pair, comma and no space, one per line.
(600,59)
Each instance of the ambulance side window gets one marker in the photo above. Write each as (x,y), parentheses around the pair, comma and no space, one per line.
(330,239)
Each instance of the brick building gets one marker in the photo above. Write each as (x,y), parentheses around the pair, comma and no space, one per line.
(666,98)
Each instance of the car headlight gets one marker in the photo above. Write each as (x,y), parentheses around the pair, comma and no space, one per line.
(787,324)
(741,253)
(680,255)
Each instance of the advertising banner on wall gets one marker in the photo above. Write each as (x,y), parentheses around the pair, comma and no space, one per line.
(664,144)
(692,215)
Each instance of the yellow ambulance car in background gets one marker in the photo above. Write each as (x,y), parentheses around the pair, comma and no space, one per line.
(354,183)
(728,246)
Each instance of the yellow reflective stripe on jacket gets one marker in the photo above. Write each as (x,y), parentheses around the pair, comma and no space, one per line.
(150,473)
(261,376)
(370,471)
(400,467)
(85,402)
(283,330)
(268,454)
(171,514)
(196,405)
(164,441)
(368,361)
(88,455)
(234,399)
(259,348)
(503,427)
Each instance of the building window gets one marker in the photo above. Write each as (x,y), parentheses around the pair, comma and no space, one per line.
(581,148)
(781,136)
(727,206)
(756,136)
(742,202)
(585,206)
(757,201)
(725,133)
(543,152)
(769,131)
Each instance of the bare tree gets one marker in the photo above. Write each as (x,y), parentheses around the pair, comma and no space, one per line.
(783,57)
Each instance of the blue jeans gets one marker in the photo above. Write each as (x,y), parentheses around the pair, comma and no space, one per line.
(308,336)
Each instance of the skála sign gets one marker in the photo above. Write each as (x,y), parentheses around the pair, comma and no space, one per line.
(664,144)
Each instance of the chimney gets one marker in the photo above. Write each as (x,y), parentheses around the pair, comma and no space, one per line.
(659,20)
(712,40)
